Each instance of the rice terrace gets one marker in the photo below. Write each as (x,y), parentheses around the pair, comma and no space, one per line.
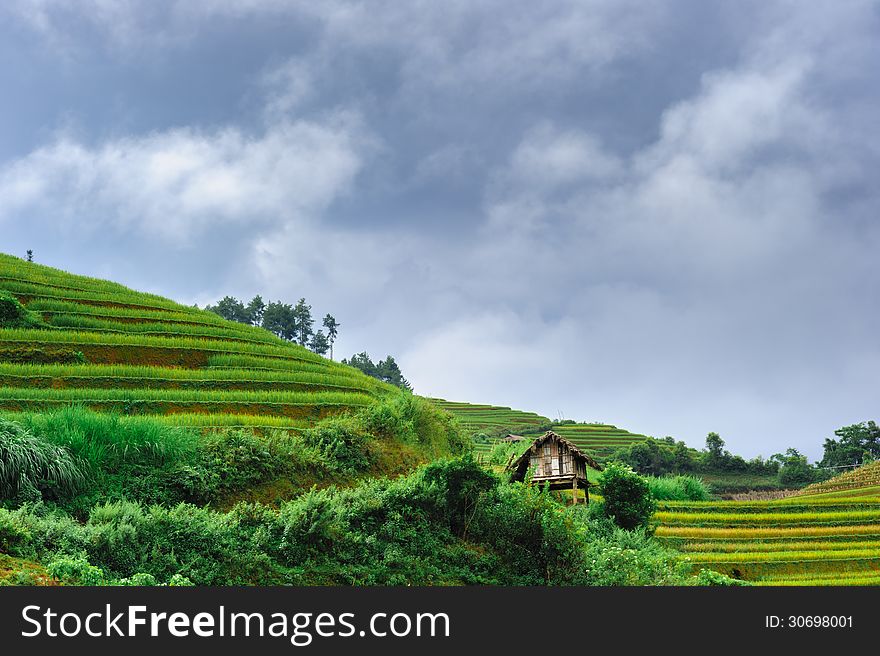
(141,438)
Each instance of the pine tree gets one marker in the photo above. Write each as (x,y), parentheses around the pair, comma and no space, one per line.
(332,331)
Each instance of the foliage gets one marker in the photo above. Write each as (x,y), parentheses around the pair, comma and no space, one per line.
(856,444)
(794,470)
(385,370)
(668,456)
(75,570)
(627,496)
(450,522)
(503,453)
(14,315)
(30,466)
(679,488)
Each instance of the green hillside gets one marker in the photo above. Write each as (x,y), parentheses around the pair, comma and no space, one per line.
(829,534)
(599,439)
(110,348)
(486,423)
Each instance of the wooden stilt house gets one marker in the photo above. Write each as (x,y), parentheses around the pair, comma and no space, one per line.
(553,459)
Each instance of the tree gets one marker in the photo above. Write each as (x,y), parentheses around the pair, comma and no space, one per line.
(714,448)
(255,310)
(30,255)
(319,343)
(794,470)
(389,372)
(627,497)
(230,308)
(856,444)
(363,362)
(279,318)
(304,321)
(332,330)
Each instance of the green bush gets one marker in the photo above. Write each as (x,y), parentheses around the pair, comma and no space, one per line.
(342,442)
(627,496)
(76,570)
(711,577)
(15,538)
(139,579)
(14,315)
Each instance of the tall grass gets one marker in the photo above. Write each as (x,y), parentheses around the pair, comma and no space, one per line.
(679,488)
(132,299)
(211,331)
(182,395)
(28,463)
(285,351)
(50,306)
(29,375)
(106,440)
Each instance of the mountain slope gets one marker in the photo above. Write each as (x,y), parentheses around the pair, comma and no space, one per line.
(71,338)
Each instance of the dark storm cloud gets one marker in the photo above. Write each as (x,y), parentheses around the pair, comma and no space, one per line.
(660,216)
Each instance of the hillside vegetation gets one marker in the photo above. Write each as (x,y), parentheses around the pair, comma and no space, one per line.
(209,407)
(66,338)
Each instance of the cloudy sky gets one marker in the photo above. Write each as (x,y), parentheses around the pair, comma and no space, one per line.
(660,215)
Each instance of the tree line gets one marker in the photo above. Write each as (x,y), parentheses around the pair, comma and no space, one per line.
(293,323)
(855,445)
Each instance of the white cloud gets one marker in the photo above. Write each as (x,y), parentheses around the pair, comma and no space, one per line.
(175,185)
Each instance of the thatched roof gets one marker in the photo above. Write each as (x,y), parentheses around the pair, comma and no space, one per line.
(523,460)
(510,437)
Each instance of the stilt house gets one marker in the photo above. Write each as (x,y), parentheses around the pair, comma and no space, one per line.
(553,459)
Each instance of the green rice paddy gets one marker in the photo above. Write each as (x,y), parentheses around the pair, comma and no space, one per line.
(114,349)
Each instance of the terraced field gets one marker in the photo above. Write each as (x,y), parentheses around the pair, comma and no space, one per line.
(599,439)
(864,481)
(820,538)
(493,421)
(496,421)
(110,348)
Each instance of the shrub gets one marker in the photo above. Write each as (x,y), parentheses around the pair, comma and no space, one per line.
(711,577)
(14,315)
(342,442)
(139,579)
(76,570)
(14,534)
(627,496)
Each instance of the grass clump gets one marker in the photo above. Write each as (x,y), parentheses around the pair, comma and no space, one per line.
(30,466)
(678,488)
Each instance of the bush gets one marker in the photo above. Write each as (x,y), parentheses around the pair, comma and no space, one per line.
(710,577)
(627,496)
(76,570)
(342,442)
(139,579)
(15,538)
(14,315)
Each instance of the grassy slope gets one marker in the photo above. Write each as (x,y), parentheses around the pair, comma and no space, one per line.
(496,421)
(148,355)
(829,534)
